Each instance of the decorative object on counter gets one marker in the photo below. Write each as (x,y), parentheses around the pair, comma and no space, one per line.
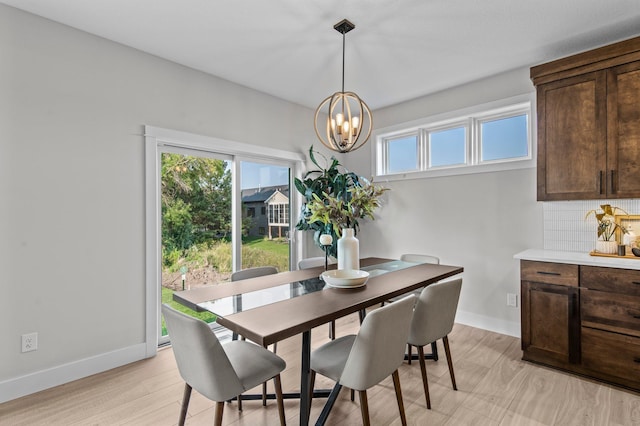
(622,250)
(334,200)
(606,242)
(629,223)
(636,251)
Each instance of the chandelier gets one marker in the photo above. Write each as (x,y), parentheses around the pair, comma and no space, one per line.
(349,122)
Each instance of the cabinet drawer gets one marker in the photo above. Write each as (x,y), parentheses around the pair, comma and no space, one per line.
(549,273)
(610,311)
(625,281)
(611,354)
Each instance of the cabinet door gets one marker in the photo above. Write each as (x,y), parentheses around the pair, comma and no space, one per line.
(572,138)
(623,131)
(550,324)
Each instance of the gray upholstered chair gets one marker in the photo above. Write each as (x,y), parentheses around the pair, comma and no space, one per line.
(362,361)
(417,258)
(218,372)
(420,258)
(245,274)
(433,319)
(259,271)
(314,262)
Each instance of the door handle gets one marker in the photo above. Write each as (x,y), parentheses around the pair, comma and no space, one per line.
(600,186)
(613,190)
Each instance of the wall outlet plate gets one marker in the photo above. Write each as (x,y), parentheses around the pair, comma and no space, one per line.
(29,342)
(512,300)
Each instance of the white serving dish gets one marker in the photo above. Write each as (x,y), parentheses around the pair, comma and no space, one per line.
(345,278)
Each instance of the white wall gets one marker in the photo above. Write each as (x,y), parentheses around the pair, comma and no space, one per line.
(478,221)
(72,107)
(72,110)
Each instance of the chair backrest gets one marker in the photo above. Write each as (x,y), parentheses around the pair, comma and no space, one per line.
(435,312)
(258,271)
(311,262)
(201,359)
(420,258)
(378,349)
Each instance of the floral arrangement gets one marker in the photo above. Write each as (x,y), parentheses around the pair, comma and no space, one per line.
(606,221)
(344,212)
(335,198)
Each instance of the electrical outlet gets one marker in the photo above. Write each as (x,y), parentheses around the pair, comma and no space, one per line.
(512,300)
(29,342)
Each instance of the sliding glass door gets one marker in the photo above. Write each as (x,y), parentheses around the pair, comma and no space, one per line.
(196,223)
(266,221)
(213,207)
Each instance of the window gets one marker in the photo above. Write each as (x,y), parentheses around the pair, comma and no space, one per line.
(504,138)
(489,137)
(402,153)
(447,147)
(263,210)
(251,212)
(278,214)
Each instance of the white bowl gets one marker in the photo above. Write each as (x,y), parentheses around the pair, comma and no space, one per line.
(345,277)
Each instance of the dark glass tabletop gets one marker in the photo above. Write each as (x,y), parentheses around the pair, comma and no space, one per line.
(254,299)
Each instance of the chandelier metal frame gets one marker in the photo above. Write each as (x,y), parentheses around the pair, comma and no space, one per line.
(349,120)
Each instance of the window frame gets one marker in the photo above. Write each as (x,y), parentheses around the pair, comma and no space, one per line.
(471,119)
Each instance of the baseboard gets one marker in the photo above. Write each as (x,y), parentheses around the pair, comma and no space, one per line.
(509,328)
(55,376)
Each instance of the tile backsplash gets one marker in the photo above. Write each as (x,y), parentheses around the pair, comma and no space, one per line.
(566,229)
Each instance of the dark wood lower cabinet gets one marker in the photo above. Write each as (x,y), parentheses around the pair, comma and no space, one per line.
(611,356)
(588,323)
(550,323)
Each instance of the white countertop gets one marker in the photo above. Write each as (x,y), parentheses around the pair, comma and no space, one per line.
(578,258)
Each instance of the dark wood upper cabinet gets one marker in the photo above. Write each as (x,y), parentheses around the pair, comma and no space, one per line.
(623,130)
(589,124)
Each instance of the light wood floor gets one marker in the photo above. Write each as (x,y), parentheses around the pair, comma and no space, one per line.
(494,388)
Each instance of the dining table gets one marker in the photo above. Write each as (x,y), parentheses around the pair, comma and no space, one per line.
(271,308)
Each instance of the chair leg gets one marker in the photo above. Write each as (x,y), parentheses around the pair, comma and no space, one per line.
(409,354)
(239,402)
(353,394)
(185,404)
(218,414)
(447,351)
(364,408)
(423,368)
(278,386)
(312,382)
(332,330)
(396,384)
(264,394)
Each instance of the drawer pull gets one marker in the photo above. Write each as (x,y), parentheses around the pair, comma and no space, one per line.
(636,316)
(637,359)
(635,282)
(551,273)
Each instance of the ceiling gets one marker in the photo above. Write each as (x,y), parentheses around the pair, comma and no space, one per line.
(400,49)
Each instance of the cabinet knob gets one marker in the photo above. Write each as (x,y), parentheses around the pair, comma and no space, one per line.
(637,359)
